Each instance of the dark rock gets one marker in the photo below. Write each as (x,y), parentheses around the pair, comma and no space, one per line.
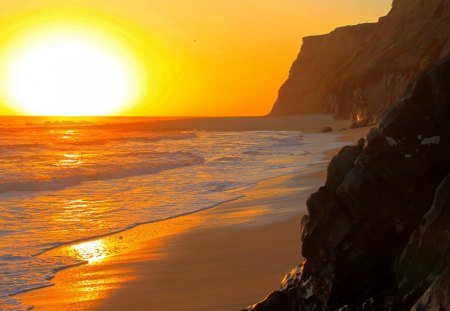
(277,301)
(341,164)
(436,297)
(427,254)
(361,123)
(327,129)
(362,242)
(292,279)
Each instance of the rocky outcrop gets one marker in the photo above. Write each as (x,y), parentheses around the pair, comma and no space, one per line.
(425,262)
(437,295)
(377,236)
(358,71)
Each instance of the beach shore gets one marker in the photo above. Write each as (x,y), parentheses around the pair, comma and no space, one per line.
(223,258)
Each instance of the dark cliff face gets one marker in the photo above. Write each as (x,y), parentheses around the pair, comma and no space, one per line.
(361,70)
(377,234)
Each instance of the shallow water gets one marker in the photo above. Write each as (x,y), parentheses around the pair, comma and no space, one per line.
(65,181)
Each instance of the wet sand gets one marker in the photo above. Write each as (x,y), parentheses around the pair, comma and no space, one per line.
(223,258)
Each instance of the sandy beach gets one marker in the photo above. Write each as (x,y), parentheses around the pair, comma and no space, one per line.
(223,258)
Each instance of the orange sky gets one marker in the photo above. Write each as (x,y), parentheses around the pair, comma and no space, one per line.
(202,57)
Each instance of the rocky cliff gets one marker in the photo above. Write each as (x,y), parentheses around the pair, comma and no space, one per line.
(358,71)
(377,236)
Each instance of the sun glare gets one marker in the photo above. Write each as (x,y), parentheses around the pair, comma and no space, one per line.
(69,71)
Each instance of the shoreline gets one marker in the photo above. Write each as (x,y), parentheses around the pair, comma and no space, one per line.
(130,227)
(156,242)
(159,240)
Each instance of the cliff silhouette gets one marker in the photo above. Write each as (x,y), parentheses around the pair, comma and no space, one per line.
(358,71)
(376,236)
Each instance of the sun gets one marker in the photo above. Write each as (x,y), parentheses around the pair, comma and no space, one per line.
(69,71)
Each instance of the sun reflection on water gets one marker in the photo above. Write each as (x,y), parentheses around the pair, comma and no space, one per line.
(109,263)
(91,251)
(68,134)
(71,159)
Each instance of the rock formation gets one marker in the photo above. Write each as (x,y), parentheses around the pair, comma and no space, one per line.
(358,71)
(377,236)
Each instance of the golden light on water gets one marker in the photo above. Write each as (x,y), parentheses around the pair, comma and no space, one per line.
(71,159)
(69,70)
(91,251)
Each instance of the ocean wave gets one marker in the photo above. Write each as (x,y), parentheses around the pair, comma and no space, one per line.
(151,139)
(253,152)
(29,273)
(19,146)
(288,141)
(9,257)
(165,161)
(51,145)
(222,186)
(95,142)
(227,159)
(5,232)
(129,139)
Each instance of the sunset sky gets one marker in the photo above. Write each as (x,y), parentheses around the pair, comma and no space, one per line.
(176,57)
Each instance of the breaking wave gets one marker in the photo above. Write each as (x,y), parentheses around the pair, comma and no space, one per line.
(163,161)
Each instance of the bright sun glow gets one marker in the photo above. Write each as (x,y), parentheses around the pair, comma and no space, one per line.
(69,71)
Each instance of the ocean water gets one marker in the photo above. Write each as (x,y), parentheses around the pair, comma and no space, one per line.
(62,181)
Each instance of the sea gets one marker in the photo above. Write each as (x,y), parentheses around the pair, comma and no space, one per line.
(67,179)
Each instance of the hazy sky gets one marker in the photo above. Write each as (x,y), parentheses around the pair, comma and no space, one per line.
(203,57)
